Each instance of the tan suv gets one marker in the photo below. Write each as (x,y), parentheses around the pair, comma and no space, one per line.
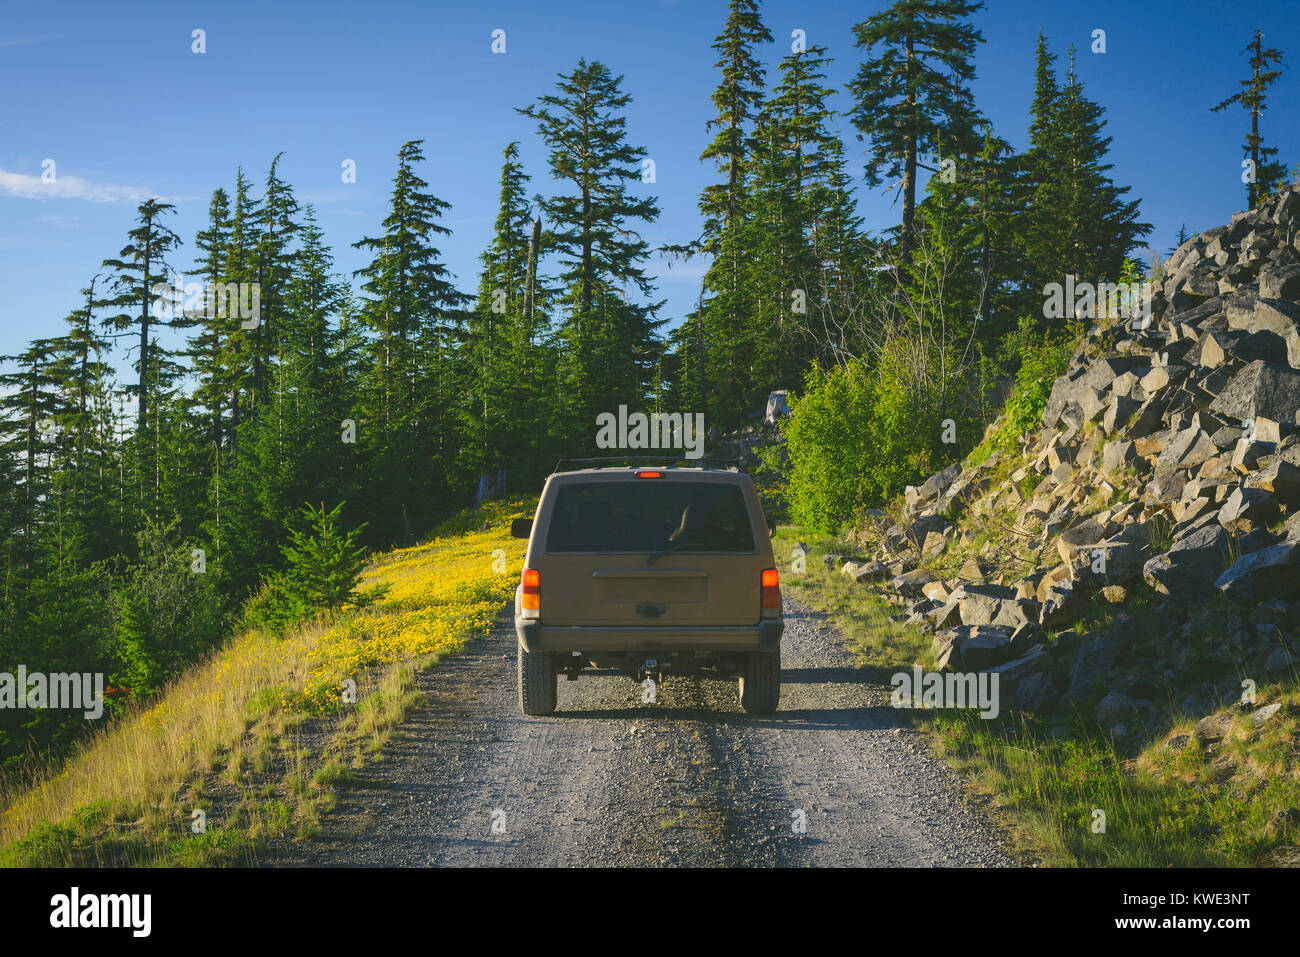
(648,569)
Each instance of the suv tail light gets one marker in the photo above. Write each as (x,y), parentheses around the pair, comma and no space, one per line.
(771,603)
(530,602)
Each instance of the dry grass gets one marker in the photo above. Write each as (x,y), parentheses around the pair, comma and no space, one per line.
(258,735)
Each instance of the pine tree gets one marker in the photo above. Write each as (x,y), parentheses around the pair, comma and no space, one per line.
(912,96)
(502,356)
(806,243)
(85,455)
(724,346)
(1268,173)
(411,310)
(139,268)
(1078,221)
(29,400)
(608,348)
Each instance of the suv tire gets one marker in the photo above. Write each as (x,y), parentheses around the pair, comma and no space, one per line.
(537,682)
(760,682)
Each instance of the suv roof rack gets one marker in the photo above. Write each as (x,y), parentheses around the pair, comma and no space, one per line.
(632,461)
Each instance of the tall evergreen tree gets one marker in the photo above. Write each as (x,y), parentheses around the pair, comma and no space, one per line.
(502,354)
(1078,220)
(724,346)
(411,308)
(608,341)
(1268,173)
(912,94)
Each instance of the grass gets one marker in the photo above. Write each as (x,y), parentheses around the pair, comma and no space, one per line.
(1166,799)
(258,736)
(877,642)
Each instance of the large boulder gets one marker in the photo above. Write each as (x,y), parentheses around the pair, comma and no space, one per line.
(985,646)
(1272,572)
(938,483)
(1009,612)
(1188,570)
(1280,282)
(778,406)
(1118,707)
(1187,449)
(1115,561)
(1069,389)
(1261,388)
(1248,508)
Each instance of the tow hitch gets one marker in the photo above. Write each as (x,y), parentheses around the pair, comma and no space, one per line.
(573,667)
(652,670)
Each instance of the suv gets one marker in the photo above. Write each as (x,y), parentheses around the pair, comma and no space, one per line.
(648,569)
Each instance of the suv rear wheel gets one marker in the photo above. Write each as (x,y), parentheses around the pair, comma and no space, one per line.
(760,682)
(537,682)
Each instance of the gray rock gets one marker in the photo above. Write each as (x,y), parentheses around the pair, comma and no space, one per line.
(1262,388)
(985,647)
(939,482)
(1188,570)
(1280,282)
(1008,612)
(1117,707)
(1011,672)
(1115,561)
(1260,718)
(1272,572)
(1096,375)
(1038,693)
(1024,638)
(868,571)
(1246,508)
(1062,604)
(916,532)
(1187,449)
(1279,477)
(1116,456)
(1279,662)
(1213,727)
(1086,534)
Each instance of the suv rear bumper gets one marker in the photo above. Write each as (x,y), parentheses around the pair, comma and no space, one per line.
(765,636)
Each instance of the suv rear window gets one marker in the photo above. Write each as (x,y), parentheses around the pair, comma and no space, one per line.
(649,516)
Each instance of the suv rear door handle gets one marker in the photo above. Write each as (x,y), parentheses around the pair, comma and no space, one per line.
(650,611)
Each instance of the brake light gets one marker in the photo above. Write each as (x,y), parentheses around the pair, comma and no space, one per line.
(771,582)
(649,474)
(531,597)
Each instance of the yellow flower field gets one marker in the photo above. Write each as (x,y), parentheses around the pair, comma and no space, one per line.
(439,595)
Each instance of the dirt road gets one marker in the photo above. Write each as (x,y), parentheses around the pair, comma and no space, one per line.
(832,779)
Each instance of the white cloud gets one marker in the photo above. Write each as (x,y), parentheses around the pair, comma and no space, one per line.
(22,41)
(71,187)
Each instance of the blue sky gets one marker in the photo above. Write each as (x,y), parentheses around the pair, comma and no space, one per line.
(113,94)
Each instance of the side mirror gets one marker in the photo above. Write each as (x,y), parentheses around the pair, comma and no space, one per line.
(521,528)
(771,529)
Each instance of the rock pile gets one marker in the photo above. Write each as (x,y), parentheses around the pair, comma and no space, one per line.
(1154,515)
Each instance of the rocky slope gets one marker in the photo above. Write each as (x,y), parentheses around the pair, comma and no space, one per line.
(1140,558)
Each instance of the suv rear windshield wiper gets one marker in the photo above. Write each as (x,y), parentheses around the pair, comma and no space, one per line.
(671,548)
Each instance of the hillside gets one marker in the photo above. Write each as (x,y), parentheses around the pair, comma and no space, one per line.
(1132,564)
(250,745)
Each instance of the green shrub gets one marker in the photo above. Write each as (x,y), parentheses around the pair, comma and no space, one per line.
(859,435)
(1041,361)
(323,567)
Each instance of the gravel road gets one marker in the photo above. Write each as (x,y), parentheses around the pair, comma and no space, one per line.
(688,781)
